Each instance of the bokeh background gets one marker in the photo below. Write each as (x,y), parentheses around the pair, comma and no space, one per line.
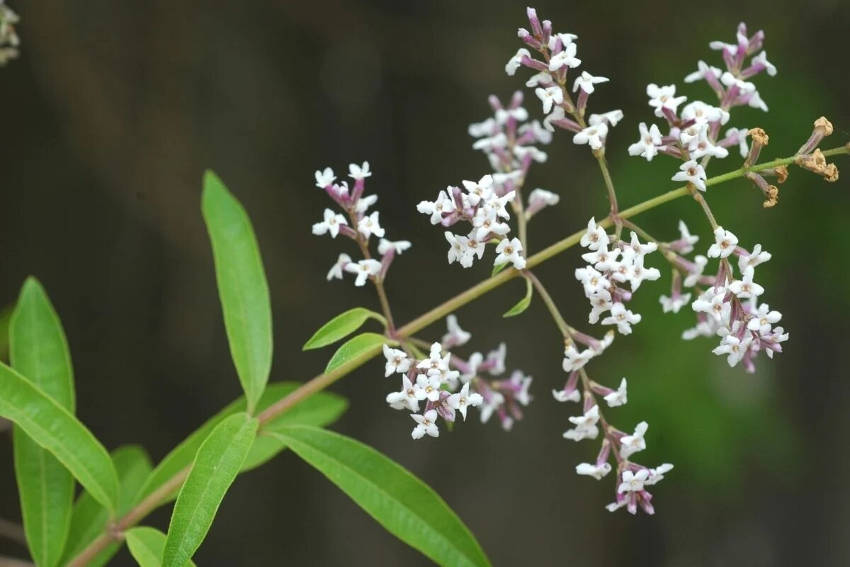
(115,109)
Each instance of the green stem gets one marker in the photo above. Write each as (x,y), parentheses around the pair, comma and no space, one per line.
(322,381)
(550,305)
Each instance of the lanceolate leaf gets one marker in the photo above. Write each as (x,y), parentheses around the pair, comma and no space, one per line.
(340,326)
(216,465)
(38,349)
(498,268)
(319,409)
(146,545)
(399,501)
(89,518)
(523,303)
(365,344)
(242,286)
(54,428)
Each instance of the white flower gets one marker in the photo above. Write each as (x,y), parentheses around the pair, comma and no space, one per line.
(761,59)
(364,202)
(657,474)
(549,96)
(510,251)
(324,177)
(426,424)
(463,399)
(763,319)
(478,191)
(398,246)
(630,444)
(724,244)
(574,360)
(612,117)
(541,197)
(428,387)
(542,78)
(675,303)
(596,471)
(661,98)
(397,361)
(566,58)
(594,136)
(702,112)
(330,224)
(369,225)
(703,71)
(457,250)
(713,302)
(648,144)
(586,81)
(406,398)
(456,336)
(694,276)
(754,258)
(633,481)
(442,206)
(359,171)
(363,269)
(618,397)
(622,317)
(585,425)
(565,396)
(746,287)
(691,172)
(336,270)
(686,239)
(515,62)
(595,237)
(734,348)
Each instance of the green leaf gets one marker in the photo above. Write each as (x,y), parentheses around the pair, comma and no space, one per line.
(523,303)
(242,286)
(399,501)
(498,268)
(38,349)
(320,409)
(54,428)
(216,465)
(340,326)
(146,545)
(365,345)
(89,518)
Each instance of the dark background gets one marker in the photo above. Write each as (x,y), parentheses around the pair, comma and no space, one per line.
(115,109)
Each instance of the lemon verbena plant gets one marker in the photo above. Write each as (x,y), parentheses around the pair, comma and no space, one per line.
(434,380)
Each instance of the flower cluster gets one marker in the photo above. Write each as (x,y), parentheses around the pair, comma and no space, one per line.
(607,270)
(445,384)
(558,52)
(483,204)
(357,223)
(694,132)
(8,38)
(726,306)
(632,478)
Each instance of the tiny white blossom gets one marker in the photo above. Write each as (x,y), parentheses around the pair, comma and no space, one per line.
(703,71)
(540,197)
(359,171)
(324,177)
(463,399)
(406,398)
(442,206)
(369,225)
(364,202)
(515,62)
(566,58)
(618,397)
(336,270)
(480,190)
(735,348)
(633,481)
(330,225)
(761,59)
(510,251)
(397,361)
(675,303)
(596,471)
(586,81)
(630,444)
(686,239)
(664,97)
(763,319)
(455,336)
(657,474)
(595,237)
(691,172)
(622,317)
(746,287)
(612,118)
(694,276)
(594,136)
(428,387)
(399,246)
(713,302)
(565,396)
(363,269)
(426,424)
(585,425)
(549,96)
(648,144)
(724,244)
(754,258)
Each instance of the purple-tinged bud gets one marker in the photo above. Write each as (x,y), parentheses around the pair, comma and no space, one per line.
(534,21)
